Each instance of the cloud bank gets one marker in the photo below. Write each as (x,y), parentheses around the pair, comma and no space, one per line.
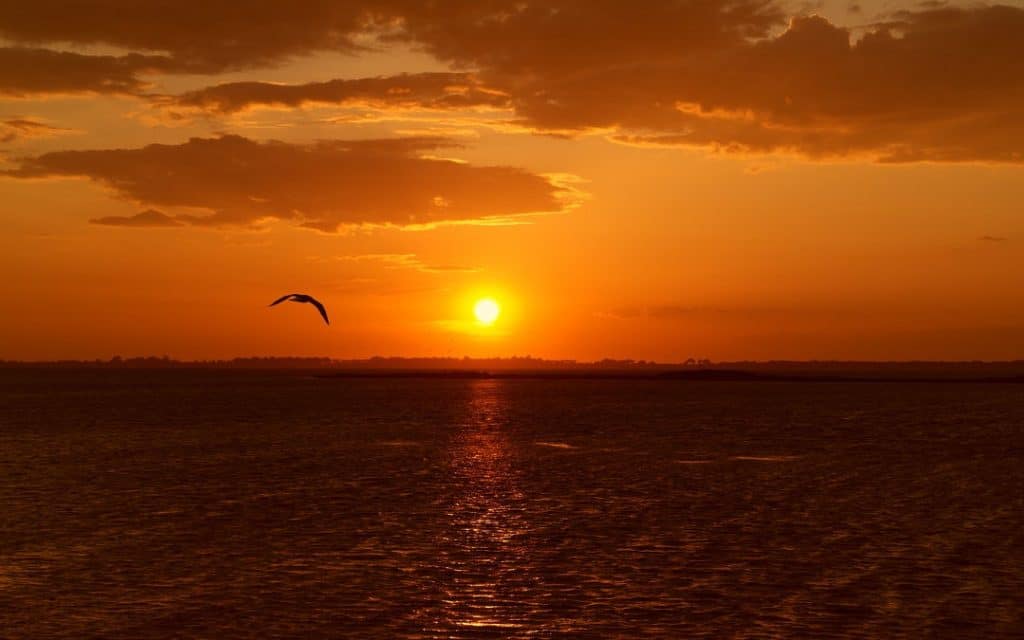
(938,83)
(327,185)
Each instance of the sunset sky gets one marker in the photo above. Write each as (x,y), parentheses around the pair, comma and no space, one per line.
(725,179)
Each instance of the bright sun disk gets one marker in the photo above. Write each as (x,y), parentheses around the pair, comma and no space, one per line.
(486,311)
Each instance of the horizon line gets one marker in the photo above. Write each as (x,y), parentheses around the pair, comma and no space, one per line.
(516,359)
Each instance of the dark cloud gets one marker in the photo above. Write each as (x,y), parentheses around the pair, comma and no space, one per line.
(147,218)
(944,85)
(935,83)
(418,90)
(938,84)
(324,186)
(570,38)
(27,71)
(503,36)
(223,34)
(187,36)
(199,35)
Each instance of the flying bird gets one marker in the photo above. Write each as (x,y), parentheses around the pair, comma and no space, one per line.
(301,297)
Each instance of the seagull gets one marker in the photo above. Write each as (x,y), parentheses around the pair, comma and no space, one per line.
(301,297)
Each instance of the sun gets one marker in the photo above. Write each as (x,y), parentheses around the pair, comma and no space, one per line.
(486,311)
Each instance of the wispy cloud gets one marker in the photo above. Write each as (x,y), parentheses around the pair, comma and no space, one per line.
(683,311)
(17,128)
(407,261)
(147,218)
(430,91)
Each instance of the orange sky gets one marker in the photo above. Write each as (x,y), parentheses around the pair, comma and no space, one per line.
(731,179)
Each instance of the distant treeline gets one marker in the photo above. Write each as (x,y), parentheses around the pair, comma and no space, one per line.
(786,369)
(397,363)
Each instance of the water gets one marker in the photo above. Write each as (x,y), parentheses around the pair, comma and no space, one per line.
(262,505)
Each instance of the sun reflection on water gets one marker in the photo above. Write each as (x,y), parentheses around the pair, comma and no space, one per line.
(484,546)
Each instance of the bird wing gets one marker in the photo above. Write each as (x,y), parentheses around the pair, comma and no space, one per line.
(319,307)
(281,299)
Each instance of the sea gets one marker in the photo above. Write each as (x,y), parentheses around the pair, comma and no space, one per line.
(282,504)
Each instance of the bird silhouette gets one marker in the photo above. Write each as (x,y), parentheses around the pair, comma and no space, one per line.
(301,297)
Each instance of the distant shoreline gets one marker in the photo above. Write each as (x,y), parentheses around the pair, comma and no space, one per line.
(806,372)
(711,375)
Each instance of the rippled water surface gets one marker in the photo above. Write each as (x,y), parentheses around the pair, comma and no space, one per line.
(260,505)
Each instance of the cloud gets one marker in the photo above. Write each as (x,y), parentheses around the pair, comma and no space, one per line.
(326,186)
(568,40)
(18,128)
(940,84)
(992,239)
(936,83)
(205,37)
(440,91)
(675,312)
(198,35)
(407,261)
(27,72)
(147,218)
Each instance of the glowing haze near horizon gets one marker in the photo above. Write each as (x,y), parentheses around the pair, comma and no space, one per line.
(732,179)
